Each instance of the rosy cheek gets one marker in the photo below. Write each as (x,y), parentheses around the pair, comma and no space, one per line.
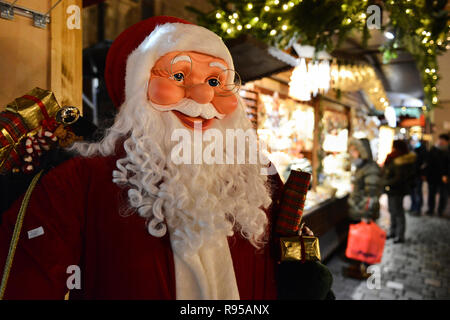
(225,105)
(161,91)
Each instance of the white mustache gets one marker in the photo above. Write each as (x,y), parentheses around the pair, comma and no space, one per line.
(192,109)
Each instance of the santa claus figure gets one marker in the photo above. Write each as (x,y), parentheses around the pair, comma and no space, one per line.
(128,219)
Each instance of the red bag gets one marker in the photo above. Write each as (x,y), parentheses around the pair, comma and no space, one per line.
(365,242)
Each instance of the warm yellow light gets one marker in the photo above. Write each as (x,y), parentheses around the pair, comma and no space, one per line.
(248,26)
(239,27)
(276,2)
(408,11)
(228,30)
(218,15)
(284,27)
(273,32)
(233,21)
(266,8)
(382,99)
(291,4)
(435,99)
(235,15)
(433,70)
(285,7)
(250,6)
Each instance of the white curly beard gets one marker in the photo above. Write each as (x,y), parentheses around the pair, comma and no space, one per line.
(197,203)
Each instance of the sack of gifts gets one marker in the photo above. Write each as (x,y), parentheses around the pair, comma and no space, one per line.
(29,126)
(365,242)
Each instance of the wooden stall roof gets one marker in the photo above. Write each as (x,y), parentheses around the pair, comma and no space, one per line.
(252,59)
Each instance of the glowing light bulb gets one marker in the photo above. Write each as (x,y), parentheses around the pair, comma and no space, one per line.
(228,30)
(218,15)
(248,26)
(239,27)
(284,27)
(285,7)
(273,32)
(276,2)
(250,6)
(235,15)
(266,8)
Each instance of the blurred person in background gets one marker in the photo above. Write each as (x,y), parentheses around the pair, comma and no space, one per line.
(420,150)
(398,179)
(366,189)
(437,172)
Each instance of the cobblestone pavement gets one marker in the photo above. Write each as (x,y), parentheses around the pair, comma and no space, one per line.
(416,269)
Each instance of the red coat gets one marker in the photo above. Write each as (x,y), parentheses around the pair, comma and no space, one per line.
(77,205)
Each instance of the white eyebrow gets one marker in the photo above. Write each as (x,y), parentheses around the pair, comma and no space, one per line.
(217,64)
(181,58)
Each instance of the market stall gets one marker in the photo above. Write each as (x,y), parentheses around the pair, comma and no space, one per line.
(310,136)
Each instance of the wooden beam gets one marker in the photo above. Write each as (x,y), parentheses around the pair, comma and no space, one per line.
(66,56)
(316,141)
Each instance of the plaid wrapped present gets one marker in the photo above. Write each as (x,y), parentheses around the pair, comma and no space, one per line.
(292,203)
(12,130)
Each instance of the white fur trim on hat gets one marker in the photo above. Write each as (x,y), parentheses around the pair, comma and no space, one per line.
(164,39)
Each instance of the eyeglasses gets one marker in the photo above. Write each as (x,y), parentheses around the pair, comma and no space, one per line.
(225,82)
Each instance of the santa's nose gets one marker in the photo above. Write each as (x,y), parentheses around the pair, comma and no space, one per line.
(200,93)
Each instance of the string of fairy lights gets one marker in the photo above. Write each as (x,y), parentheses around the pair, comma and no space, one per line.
(420,27)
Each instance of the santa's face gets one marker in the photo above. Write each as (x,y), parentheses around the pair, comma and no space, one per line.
(194,86)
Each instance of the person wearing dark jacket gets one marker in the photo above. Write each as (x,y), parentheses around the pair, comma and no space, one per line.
(398,180)
(364,198)
(366,181)
(437,172)
(416,193)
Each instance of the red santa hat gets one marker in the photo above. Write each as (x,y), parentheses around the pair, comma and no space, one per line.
(135,51)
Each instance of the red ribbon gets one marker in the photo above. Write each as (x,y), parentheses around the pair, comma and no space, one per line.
(48,123)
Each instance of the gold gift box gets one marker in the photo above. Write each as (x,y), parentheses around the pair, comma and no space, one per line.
(30,110)
(291,248)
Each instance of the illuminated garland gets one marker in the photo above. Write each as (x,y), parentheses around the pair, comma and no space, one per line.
(419,26)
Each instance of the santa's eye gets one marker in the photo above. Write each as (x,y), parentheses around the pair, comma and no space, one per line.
(213,82)
(178,76)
